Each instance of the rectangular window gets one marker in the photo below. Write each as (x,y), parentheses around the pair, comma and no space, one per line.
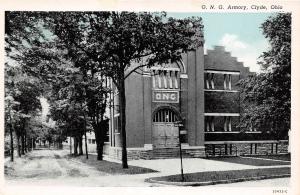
(176,79)
(159,78)
(209,81)
(89,141)
(93,141)
(117,124)
(221,123)
(221,80)
(227,82)
(165,79)
(209,123)
(170,79)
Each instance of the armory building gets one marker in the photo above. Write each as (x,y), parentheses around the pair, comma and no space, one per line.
(201,93)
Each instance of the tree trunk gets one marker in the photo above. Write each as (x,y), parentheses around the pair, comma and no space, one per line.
(122,104)
(70,145)
(75,146)
(80,145)
(85,139)
(86,146)
(99,141)
(22,145)
(60,144)
(25,141)
(32,144)
(11,143)
(18,146)
(100,151)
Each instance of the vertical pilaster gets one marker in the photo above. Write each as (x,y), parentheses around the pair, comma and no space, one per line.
(199,97)
(147,111)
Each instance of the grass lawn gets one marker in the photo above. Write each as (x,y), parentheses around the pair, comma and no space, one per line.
(225,175)
(111,167)
(285,157)
(249,161)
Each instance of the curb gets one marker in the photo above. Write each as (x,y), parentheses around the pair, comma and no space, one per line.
(205,183)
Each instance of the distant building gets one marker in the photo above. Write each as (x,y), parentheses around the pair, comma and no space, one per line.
(201,92)
(91,142)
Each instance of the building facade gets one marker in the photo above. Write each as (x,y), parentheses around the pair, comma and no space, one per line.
(196,100)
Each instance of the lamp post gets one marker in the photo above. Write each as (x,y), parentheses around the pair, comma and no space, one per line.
(180,126)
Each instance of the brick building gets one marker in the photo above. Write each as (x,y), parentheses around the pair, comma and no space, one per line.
(201,92)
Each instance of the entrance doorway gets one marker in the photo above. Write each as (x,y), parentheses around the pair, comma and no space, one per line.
(165,132)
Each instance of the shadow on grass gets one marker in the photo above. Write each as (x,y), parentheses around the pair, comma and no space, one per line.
(249,161)
(112,168)
(284,157)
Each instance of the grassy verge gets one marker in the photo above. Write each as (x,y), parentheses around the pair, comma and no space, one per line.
(111,167)
(249,161)
(214,177)
(284,157)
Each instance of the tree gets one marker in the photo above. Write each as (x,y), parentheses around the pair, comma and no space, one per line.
(22,90)
(117,44)
(22,102)
(267,96)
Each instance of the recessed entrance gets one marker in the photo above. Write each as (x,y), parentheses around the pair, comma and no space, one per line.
(165,132)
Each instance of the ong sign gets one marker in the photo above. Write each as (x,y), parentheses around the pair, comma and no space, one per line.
(166,96)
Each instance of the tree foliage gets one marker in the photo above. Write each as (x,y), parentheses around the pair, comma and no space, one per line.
(267,96)
(106,45)
(110,42)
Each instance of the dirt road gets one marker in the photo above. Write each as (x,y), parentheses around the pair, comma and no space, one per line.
(53,167)
(41,164)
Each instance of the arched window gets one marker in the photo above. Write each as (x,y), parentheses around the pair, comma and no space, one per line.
(165,116)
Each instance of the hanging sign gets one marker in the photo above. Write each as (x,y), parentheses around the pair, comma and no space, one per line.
(166,96)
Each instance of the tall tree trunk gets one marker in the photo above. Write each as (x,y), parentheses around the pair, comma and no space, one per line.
(32,144)
(122,100)
(86,146)
(70,145)
(25,141)
(75,146)
(100,151)
(18,145)
(11,142)
(80,145)
(22,145)
(99,142)
(85,139)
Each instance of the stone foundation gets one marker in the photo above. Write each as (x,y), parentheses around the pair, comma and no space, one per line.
(116,153)
(150,153)
(211,149)
(239,148)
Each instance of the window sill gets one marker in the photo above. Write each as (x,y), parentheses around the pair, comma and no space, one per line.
(222,90)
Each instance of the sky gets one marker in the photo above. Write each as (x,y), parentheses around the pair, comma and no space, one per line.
(240,33)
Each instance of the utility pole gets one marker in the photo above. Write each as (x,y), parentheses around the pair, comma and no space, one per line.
(180,125)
